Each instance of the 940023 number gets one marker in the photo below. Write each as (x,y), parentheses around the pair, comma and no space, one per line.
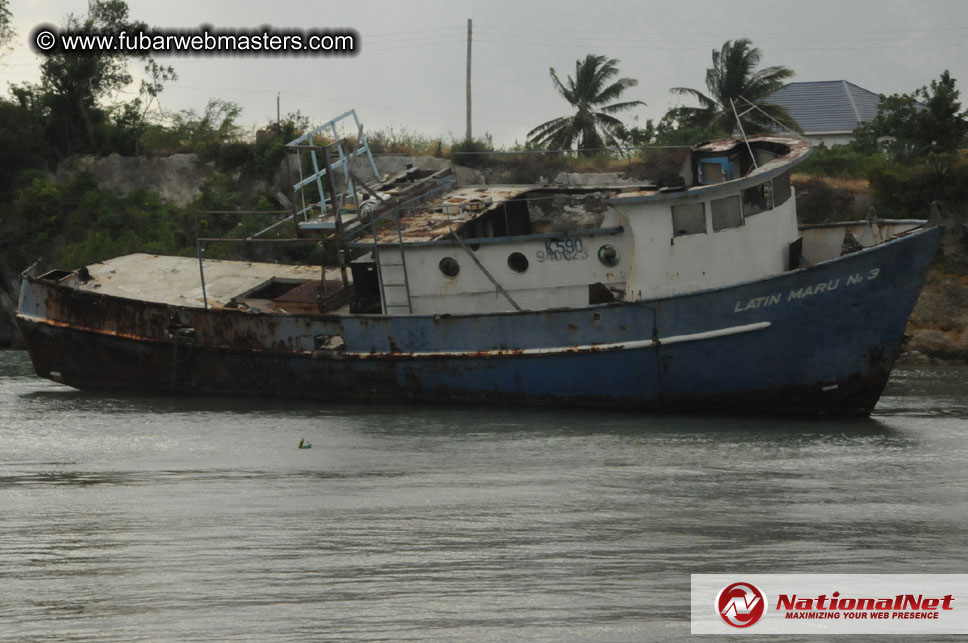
(563,250)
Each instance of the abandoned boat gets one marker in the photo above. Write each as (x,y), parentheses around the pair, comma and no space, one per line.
(702,295)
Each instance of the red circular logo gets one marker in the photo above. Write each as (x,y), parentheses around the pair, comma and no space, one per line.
(741,604)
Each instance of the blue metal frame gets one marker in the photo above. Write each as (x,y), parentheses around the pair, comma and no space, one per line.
(306,140)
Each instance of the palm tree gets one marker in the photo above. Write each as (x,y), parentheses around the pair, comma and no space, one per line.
(590,92)
(733,80)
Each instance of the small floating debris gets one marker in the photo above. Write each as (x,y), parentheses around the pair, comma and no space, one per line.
(305,445)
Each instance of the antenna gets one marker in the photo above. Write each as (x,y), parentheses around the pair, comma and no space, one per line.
(739,124)
(469,30)
(760,110)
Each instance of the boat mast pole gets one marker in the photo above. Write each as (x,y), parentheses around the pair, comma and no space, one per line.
(469,29)
(337,217)
(201,269)
(739,124)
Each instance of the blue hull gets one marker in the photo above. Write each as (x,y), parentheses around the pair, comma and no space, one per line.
(817,340)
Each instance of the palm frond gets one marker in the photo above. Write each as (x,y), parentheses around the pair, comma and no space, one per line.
(592,91)
(705,101)
(734,76)
(614,91)
(549,129)
(566,93)
(621,107)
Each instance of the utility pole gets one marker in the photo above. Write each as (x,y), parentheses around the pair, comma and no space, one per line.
(278,117)
(469,24)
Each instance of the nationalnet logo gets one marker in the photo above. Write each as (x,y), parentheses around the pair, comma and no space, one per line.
(830,604)
(741,604)
(899,606)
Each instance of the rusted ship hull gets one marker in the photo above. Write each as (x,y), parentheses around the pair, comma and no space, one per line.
(821,340)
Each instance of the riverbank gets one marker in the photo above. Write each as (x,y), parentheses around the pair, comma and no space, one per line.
(937,327)
(9,294)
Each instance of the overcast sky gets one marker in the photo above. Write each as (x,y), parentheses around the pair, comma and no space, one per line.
(410,67)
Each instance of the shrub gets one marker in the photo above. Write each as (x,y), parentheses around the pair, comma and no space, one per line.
(403,141)
(471,153)
(909,189)
(841,161)
(819,202)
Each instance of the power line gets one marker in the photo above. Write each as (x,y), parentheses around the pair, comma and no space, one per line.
(770,34)
(639,46)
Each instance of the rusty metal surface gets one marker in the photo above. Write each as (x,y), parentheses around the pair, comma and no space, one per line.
(797,148)
(794,151)
(89,340)
(175,280)
(114,363)
(435,220)
(396,189)
(796,145)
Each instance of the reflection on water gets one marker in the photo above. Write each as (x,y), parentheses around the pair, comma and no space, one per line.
(162,518)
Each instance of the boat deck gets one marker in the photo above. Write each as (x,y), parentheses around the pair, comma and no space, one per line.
(175,280)
(436,220)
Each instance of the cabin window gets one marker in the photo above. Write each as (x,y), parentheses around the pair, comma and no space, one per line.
(508,219)
(715,170)
(781,189)
(726,213)
(449,266)
(712,173)
(518,217)
(758,198)
(689,218)
(517,262)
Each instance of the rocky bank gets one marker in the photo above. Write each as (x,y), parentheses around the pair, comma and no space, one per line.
(938,328)
(9,294)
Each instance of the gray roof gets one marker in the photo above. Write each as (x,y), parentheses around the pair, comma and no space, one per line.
(827,105)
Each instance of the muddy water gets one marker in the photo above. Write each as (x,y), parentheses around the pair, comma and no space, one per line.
(158,518)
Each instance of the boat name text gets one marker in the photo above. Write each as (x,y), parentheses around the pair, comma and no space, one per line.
(808,291)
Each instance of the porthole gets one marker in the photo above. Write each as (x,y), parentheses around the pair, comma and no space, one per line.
(517,262)
(449,266)
(608,255)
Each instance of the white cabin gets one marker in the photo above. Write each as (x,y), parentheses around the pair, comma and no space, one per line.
(496,248)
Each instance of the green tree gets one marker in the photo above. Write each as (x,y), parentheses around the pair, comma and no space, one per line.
(735,85)
(73,87)
(130,121)
(923,133)
(216,125)
(677,127)
(6,28)
(927,121)
(635,136)
(591,92)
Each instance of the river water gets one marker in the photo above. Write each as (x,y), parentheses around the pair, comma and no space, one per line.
(159,518)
